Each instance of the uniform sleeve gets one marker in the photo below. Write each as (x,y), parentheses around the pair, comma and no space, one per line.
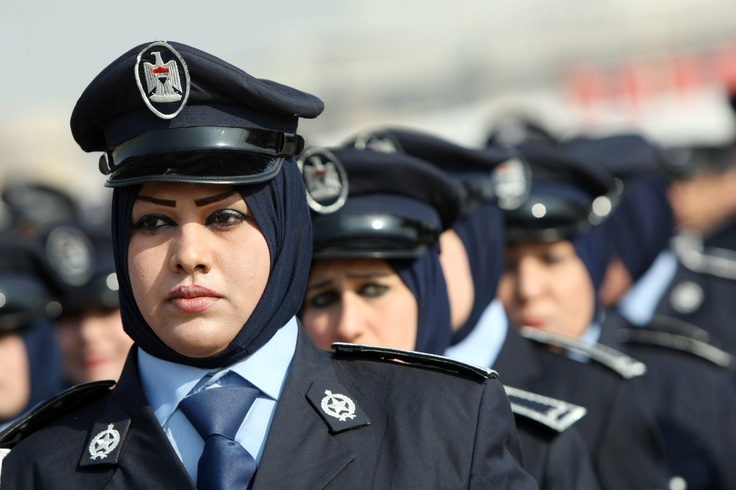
(570,466)
(497,452)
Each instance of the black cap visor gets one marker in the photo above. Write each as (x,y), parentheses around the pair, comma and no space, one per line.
(198,167)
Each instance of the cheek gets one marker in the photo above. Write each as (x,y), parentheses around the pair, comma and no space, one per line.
(577,303)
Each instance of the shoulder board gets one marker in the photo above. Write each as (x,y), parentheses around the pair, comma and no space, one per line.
(50,410)
(662,323)
(682,343)
(625,366)
(718,262)
(413,358)
(556,414)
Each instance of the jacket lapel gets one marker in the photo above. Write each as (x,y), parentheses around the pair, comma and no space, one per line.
(147,459)
(300,451)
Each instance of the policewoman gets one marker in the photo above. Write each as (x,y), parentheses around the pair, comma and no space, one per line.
(223,389)
(555,261)
(88,326)
(368,256)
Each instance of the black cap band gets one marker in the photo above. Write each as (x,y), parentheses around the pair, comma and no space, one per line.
(371,235)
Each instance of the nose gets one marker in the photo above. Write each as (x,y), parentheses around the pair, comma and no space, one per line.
(529,278)
(191,250)
(350,324)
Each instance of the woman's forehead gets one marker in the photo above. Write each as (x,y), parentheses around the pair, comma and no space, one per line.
(201,194)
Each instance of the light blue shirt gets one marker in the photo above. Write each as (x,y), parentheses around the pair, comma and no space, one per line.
(640,303)
(484,342)
(167,383)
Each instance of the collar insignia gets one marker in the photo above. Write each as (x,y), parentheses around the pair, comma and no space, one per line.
(105,445)
(162,77)
(338,410)
(325,180)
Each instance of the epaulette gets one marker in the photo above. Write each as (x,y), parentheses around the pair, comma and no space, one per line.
(625,366)
(50,410)
(718,262)
(556,414)
(414,358)
(678,326)
(675,341)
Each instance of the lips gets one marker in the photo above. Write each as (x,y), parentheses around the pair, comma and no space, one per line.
(192,298)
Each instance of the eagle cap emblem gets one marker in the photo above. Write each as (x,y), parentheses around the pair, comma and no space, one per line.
(163,79)
(325,180)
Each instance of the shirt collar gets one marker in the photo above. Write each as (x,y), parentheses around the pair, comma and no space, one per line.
(167,383)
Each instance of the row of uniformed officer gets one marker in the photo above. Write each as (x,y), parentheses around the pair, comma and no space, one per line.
(212,238)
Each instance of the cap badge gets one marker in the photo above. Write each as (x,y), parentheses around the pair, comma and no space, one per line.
(325,180)
(377,141)
(166,78)
(511,182)
(104,443)
(339,406)
(70,252)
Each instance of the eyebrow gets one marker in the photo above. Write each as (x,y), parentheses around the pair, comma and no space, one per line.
(197,202)
(354,275)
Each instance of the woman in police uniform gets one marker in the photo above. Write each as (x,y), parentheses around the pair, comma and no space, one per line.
(211,238)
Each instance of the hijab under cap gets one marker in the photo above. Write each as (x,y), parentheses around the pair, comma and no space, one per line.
(280,208)
(483,236)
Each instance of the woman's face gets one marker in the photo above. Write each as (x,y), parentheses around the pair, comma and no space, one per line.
(93,344)
(15,376)
(198,264)
(359,301)
(547,286)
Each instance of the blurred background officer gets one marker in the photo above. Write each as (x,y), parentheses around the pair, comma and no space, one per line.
(695,280)
(29,359)
(554,267)
(33,206)
(212,245)
(688,383)
(89,329)
(349,240)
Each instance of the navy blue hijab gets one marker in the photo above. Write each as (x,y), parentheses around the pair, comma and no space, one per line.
(44,361)
(483,235)
(279,207)
(424,278)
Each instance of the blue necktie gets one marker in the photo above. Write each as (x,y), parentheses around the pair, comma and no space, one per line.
(217,414)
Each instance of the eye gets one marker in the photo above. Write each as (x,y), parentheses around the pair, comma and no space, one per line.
(373,290)
(153,223)
(323,299)
(223,218)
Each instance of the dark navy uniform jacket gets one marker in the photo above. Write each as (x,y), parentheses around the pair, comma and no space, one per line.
(415,427)
(693,399)
(558,460)
(620,434)
(705,297)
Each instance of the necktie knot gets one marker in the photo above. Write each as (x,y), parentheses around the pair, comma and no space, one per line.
(219,410)
(217,414)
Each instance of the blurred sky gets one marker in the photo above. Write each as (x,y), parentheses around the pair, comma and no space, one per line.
(439,64)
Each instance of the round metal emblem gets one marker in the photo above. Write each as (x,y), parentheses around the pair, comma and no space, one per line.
(511,182)
(104,443)
(338,406)
(377,141)
(325,180)
(163,79)
(686,297)
(70,252)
